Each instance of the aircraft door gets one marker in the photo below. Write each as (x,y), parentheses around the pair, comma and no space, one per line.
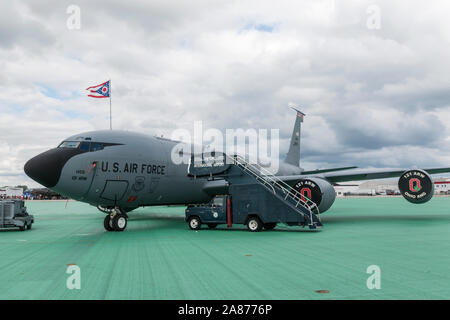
(108,184)
(114,190)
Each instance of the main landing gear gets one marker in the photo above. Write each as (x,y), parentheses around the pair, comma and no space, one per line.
(116,220)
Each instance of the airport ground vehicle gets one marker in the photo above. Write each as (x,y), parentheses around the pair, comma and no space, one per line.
(13,213)
(250,204)
(251,199)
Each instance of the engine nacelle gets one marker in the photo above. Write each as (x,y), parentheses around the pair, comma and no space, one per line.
(416,186)
(320,191)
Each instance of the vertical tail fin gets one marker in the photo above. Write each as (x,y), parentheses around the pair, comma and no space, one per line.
(293,155)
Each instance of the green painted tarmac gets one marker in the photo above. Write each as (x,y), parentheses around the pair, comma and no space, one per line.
(158,257)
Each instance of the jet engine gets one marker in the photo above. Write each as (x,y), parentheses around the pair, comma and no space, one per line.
(318,190)
(416,186)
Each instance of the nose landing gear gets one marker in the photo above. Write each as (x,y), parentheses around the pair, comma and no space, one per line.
(116,220)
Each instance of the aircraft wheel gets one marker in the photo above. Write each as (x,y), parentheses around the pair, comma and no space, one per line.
(270,226)
(212,225)
(195,223)
(119,222)
(107,223)
(254,224)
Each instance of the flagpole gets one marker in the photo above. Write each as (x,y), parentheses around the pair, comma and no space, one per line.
(110,110)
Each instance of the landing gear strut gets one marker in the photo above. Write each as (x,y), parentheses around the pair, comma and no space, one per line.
(116,220)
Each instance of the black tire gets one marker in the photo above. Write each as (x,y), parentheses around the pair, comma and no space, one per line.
(119,222)
(270,226)
(23,228)
(254,224)
(29,226)
(107,223)
(212,225)
(195,223)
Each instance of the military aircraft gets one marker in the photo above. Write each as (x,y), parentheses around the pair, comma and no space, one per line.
(119,171)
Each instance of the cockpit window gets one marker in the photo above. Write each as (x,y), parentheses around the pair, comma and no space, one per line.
(85,146)
(95,146)
(69,144)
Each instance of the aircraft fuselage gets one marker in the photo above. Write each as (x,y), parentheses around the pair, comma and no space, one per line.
(127,170)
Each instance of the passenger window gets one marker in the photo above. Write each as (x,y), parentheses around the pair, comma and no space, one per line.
(85,146)
(95,146)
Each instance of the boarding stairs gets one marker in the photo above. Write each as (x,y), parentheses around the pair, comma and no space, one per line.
(301,204)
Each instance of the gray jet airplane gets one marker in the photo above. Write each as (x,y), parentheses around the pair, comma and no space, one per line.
(119,171)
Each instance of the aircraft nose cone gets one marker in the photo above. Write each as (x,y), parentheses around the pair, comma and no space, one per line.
(46,167)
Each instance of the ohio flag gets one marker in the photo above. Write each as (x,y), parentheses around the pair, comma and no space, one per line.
(99,91)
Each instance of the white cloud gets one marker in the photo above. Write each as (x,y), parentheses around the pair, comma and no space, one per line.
(174,62)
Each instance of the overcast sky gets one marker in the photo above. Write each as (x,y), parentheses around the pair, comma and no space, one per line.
(373,96)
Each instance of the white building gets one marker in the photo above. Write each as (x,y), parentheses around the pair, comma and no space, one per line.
(344,189)
(442,186)
(382,186)
(9,192)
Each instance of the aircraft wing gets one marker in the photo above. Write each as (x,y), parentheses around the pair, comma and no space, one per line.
(221,186)
(313,172)
(360,174)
